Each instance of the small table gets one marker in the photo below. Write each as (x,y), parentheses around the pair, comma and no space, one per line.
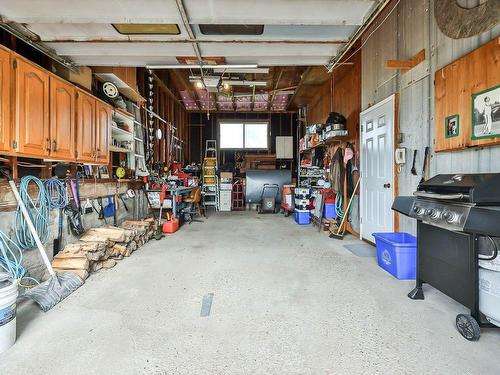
(174,192)
(178,191)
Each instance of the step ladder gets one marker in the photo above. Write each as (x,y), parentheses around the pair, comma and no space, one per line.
(210,181)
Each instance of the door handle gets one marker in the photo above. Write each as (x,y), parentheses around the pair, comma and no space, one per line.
(387,186)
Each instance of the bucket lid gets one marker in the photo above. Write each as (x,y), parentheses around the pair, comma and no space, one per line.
(6,280)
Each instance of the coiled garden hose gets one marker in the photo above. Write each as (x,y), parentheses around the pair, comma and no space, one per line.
(38,209)
(11,260)
(56,190)
(339,204)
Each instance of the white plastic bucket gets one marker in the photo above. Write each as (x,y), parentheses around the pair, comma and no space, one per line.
(8,297)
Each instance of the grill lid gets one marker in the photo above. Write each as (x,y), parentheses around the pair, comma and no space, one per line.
(478,188)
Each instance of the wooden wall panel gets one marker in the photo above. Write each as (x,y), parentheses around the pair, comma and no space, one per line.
(341,93)
(347,94)
(319,108)
(454,86)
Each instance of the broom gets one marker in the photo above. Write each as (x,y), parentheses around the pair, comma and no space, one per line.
(338,235)
(58,286)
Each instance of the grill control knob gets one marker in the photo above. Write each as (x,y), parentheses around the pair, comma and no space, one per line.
(418,210)
(433,213)
(450,216)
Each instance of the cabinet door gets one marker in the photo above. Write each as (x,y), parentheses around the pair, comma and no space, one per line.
(103,129)
(86,123)
(62,120)
(32,109)
(5,101)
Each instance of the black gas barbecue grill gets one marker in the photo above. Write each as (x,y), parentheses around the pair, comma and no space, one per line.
(458,221)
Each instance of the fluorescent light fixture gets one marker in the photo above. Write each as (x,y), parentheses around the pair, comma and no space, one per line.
(230,82)
(244,83)
(204,66)
(254,70)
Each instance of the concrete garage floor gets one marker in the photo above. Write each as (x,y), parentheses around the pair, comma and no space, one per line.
(287,300)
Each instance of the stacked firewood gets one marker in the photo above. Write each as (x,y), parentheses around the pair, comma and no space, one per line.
(329,226)
(102,247)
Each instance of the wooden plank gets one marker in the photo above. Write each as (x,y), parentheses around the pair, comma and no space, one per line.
(406,64)
(454,86)
(80,263)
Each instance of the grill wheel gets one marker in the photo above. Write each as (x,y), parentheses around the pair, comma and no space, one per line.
(468,327)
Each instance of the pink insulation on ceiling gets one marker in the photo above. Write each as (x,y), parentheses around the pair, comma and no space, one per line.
(189,100)
(204,101)
(207,101)
(280,102)
(225,102)
(261,102)
(243,103)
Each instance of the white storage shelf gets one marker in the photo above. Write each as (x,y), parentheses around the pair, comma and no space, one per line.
(121,135)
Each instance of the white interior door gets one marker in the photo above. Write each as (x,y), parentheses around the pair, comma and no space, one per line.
(377,168)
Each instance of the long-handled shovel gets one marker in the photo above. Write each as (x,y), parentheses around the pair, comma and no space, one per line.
(58,286)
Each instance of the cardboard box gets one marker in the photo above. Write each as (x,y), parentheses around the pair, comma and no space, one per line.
(82,79)
(226,175)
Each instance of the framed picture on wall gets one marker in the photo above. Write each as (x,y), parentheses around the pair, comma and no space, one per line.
(103,171)
(452,126)
(486,113)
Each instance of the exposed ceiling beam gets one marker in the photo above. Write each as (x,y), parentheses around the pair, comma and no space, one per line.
(165,88)
(377,10)
(196,40)
(276,86)
(181,80)
(187,26)
(301,82)
(198,66)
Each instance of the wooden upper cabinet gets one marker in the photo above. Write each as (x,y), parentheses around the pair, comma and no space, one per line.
(62,120)
(32,109)
(103,129)
(85,127)
(5,101)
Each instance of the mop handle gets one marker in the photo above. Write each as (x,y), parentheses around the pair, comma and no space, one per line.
(31,227)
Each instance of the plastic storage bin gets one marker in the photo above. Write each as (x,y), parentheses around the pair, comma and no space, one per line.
(329,211)
(303,217)
(397,254)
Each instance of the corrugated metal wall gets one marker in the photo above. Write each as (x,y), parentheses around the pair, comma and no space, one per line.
(408,29)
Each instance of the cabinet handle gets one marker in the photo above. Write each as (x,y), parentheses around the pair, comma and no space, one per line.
(54,145)
(48,145)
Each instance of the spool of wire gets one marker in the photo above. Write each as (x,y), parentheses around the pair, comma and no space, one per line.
(38,206)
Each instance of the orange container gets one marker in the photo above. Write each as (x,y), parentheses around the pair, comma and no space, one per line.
(170,226)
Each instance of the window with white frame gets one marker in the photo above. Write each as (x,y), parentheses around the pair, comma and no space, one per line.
(243,135)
